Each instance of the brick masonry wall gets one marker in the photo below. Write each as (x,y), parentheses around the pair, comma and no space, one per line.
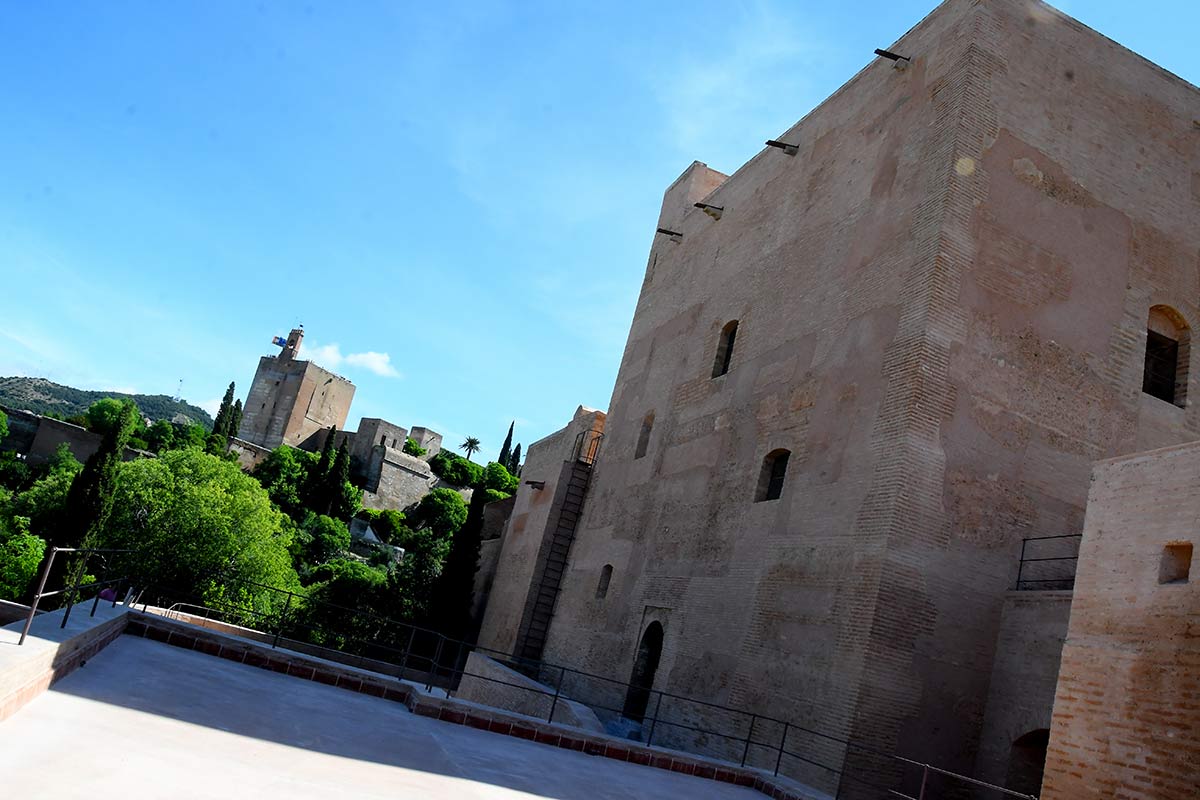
(1033,627)
(1127,709)
(942,301)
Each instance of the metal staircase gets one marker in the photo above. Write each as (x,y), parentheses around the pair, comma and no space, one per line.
(556,549)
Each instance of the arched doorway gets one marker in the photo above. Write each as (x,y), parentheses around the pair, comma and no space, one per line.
(644,666)
(1027,761)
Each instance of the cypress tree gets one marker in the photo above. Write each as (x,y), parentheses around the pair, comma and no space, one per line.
(235,418)
(505,451)
(221,423)
(454,591)
(335,484)
(89,500)
(515,464)
(316,494)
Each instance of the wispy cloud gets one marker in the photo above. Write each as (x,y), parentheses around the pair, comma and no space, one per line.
(715,103)
(331,356)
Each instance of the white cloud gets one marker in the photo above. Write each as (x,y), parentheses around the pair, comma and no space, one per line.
(379,363)
(211,406)
(330,356)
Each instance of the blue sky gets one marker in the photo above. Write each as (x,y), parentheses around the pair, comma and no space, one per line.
(457,200)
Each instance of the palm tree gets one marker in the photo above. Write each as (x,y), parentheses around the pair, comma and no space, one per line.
(471,445)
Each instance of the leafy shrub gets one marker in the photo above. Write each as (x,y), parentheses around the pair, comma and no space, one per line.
(455,469)
(497,478)
(442,510)
(413,449)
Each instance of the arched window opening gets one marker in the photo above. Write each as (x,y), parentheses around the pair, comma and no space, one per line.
(644,437)
(1168,349)
(605,579)
(770,479)
(1027,761)
(641,682)
(725,349)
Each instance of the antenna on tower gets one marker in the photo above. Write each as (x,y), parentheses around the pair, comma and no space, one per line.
(178,392)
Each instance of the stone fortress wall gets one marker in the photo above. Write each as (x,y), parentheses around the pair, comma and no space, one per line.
(296,402)
(942,300)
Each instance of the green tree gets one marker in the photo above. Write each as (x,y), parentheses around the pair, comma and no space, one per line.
(44,503)
(190,435)
(20,552)
(316,493)
(161,436)
(323,537)
(388,525)
(15,474)
(3,425)
(224,414)
(410,586)
(90,497)
(456,470)
(284,474)
(454,590)
(235,418)
(442,510)
(201,528)
(514,464)
(104,415)
(412,448)
(470,445)
(506,448)
(343,587)
(344,498)
(498,478)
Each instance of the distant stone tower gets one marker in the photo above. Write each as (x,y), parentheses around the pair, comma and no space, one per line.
(291,400)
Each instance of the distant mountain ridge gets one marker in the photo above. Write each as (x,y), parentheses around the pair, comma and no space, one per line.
(42,396)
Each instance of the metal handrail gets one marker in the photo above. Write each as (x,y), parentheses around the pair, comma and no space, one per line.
(73,590)
(1065,581)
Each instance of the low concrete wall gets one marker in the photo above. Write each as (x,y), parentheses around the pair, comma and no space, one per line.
(336,656)
(488,682)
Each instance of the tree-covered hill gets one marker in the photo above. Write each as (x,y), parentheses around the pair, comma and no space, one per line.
(46,397)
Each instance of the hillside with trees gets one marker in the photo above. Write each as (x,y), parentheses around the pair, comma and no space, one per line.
(42,396)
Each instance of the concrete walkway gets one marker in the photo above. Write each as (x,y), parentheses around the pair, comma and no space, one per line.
(147,720)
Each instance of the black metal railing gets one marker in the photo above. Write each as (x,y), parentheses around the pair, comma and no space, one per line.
(1048,562)
(74,585)
(421,655)
(587,446)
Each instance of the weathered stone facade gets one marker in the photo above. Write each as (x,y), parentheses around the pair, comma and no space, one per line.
(1127,711)
(942,298)
(38,438)
(536,507)
(290,400)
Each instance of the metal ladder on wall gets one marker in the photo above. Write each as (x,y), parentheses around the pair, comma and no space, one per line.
(549,582)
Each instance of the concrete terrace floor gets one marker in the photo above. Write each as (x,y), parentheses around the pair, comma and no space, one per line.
(146,720)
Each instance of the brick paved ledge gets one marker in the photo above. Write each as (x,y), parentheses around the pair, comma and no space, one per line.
(52,652)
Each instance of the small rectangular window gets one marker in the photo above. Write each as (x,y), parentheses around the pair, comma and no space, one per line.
(778,471)
(1176,563)
(1162,358)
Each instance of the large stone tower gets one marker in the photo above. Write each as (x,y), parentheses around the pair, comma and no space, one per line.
(885,351)
(291,400)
